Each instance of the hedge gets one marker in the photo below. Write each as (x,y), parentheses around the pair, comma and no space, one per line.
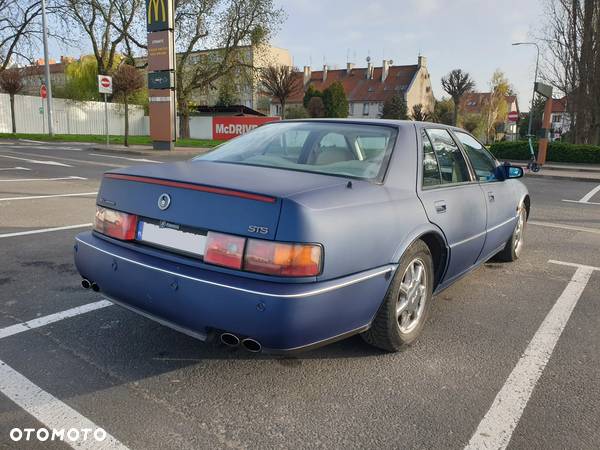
(557,152)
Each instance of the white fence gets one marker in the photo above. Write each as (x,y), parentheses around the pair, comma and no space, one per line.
(70,117)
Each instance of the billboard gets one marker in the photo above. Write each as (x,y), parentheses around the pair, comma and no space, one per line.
(228,127)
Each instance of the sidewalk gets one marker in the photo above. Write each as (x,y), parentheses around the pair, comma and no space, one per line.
(565,171)
(146,150)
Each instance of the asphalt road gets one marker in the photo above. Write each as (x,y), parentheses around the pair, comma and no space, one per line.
(152,388)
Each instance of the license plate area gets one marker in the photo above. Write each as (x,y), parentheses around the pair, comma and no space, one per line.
(171,237)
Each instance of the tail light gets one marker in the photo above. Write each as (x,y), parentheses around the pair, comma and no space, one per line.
(224,250)
(276,258)
(115,224)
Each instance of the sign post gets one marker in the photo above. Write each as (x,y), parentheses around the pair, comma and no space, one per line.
(161,73)
(105,87)
(545,91)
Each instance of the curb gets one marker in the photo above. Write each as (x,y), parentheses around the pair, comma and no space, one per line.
(564,177)
(567,168)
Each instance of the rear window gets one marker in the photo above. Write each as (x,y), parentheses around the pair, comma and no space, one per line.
(340,149)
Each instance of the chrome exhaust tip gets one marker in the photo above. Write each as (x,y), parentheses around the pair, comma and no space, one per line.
(95,287)
(251,345)
(231,340)
(86,284)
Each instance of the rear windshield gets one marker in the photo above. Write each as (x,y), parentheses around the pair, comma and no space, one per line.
(341,149)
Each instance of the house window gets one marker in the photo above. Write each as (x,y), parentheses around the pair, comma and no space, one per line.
(365,109)
(556,118)
(350,109)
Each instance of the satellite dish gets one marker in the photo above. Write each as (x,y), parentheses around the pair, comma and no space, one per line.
(391,62)
(368,59)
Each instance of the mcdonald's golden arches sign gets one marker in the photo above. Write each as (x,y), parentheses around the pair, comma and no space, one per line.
(159,15)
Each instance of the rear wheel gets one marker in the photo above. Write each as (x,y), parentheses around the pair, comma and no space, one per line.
(404,310)
(514,246)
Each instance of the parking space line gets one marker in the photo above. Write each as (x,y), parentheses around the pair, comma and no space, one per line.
(499,423)
(45,230)
(37,161)
(586,198)
(52,413)
(562,263)
(564,227)
(35,197)
(14,168)
(128,159)
(46,320)
(45,179)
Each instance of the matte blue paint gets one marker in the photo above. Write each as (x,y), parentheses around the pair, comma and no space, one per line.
(362,228)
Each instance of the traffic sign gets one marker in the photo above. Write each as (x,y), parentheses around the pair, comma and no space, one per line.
(105,84)
(513,116)
(43,91)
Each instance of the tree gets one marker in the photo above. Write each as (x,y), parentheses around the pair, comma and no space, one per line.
(280,82)
(81,80)
(335,101)
(311,92)
(316,107)
(456,84)
(419,114)
(395,108)
(444,111)
(495,108)
(538,111)
(228,94)
(109,25)
(296,112)
(11,82)
(237,28)
(472,123)
(127,81)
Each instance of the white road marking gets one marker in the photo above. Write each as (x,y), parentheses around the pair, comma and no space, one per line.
(562,263)
(564,227)
(128,159)
(498,425)
(586,198)
(31,142)
(15,168)
(35,197)
(582,203)
(37,161)
(45,179)
(46,320)
(51,412)
(44,230)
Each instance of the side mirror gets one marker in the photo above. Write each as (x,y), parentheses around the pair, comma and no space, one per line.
(512,171)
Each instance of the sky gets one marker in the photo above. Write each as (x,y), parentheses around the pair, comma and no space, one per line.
(473,35)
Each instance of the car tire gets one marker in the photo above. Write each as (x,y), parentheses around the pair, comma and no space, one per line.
(514,246)
(404,310)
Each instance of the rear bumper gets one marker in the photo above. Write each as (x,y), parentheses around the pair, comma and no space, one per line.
(283,317)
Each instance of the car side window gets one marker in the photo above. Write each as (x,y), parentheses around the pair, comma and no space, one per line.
(482,161)
(452,164)
(431,169)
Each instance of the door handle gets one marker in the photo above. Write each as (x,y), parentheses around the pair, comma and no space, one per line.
(440,207)
(491,197)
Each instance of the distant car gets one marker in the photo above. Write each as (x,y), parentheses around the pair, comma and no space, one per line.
(302,233)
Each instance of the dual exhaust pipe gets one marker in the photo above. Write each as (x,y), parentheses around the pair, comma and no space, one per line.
(87,284)
(231,340)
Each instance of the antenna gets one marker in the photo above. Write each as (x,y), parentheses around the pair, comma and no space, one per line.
(368,59)
(347,55)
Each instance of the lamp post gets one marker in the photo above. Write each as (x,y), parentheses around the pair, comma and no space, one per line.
(47,68)
(537,63)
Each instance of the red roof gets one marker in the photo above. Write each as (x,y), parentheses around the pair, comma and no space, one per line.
(473,102)
(356,85)
(559,105)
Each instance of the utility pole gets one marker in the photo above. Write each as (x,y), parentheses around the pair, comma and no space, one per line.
(47,69)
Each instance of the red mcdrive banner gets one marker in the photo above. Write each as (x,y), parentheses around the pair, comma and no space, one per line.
(229,127)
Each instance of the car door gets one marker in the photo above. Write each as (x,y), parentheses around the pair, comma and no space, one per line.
(453,200)
(499,195)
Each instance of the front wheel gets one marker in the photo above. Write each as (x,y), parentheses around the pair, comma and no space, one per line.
(404,310)
(514,246)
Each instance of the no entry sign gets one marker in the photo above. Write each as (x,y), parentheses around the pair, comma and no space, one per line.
(105,84)
(513,116)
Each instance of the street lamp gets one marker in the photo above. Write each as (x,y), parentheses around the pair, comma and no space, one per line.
(537,62)
(47,68)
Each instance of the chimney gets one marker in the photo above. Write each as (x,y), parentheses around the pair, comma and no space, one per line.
(307,74)
(422,61)
(324,72)
(385,70)
(349,67)
(370,71)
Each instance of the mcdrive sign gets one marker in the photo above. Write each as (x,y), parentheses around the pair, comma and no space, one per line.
(229,127)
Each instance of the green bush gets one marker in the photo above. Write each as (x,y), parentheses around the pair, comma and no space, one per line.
(557,152)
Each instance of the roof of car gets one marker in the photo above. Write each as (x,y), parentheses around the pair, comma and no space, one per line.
(386,122)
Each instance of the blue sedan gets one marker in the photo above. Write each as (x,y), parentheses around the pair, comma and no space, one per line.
(302,233)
